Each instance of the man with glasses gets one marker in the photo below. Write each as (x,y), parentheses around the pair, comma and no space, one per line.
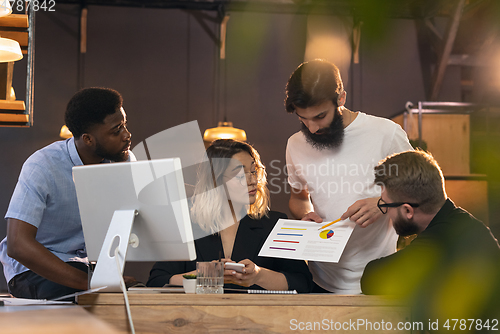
(451,268)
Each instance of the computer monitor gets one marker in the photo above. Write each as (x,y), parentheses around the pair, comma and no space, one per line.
(143,202)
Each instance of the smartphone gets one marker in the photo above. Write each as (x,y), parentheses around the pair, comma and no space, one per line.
(238,267)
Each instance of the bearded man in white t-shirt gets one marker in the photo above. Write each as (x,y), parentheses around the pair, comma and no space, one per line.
(330,170)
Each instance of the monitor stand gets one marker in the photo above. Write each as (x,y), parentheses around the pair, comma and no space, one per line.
(106,271)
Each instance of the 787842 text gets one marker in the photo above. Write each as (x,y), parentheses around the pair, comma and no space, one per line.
(36,5)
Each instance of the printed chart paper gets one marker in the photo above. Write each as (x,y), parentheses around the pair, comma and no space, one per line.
(303,240)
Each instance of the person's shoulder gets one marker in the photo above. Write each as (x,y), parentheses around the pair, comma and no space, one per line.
(296,138)
(376,120)
(468,221)
(297,143)
(275,215)
(459,226)
(46,154)
(268,221)
(390,133)
(271,217)
(450,212)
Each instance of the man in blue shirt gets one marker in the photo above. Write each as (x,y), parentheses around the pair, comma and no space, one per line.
(44,254)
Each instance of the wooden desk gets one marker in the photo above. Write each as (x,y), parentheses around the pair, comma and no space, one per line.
(181,313)
(50,320)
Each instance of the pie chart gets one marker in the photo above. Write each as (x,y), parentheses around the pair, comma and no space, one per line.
(326,234)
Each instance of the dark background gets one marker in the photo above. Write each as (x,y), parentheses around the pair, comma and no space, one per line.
(163,62)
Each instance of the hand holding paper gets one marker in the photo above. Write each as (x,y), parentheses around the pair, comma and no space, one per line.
(301,240)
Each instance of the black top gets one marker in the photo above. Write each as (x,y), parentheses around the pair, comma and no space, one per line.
(454,259)
(250,238)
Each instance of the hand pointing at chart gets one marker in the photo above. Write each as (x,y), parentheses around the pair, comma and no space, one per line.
(363,212)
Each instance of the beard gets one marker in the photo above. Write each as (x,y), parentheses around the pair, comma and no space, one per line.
(404,227)
(115,157)
(330,137)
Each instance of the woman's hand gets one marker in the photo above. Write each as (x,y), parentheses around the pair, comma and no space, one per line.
(177,279)
(253,274)
(248,277)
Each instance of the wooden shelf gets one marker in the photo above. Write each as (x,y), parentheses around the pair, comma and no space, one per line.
(12,113)
(447,137)
(14,21)
(11,105)
(18,27)
(14,118)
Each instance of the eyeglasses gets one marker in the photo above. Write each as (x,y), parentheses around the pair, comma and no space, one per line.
(382,206)
(245,178)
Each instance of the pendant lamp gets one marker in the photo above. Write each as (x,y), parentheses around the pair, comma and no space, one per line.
(224,130)
(65,133)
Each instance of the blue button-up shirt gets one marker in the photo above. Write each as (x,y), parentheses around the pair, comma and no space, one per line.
(45,197)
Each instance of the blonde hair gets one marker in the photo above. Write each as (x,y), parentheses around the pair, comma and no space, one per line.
(412,176)
(210,192)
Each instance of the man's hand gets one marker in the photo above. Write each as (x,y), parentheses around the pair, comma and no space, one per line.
(313,217)
(363,212)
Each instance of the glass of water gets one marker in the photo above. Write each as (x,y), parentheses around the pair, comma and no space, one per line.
(209,277)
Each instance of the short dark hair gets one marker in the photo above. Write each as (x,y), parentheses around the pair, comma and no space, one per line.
(412,176)
(90,106)
(313,83)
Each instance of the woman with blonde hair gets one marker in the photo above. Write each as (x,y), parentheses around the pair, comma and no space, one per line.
(231,207)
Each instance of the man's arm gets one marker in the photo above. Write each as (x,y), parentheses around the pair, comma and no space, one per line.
(301,207)
(23,247)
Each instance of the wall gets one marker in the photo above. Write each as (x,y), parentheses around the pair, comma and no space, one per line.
(162,61)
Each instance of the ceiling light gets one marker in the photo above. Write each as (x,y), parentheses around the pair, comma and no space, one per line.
(224,130)
(65,133)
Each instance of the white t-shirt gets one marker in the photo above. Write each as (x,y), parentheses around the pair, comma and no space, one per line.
(335,179)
